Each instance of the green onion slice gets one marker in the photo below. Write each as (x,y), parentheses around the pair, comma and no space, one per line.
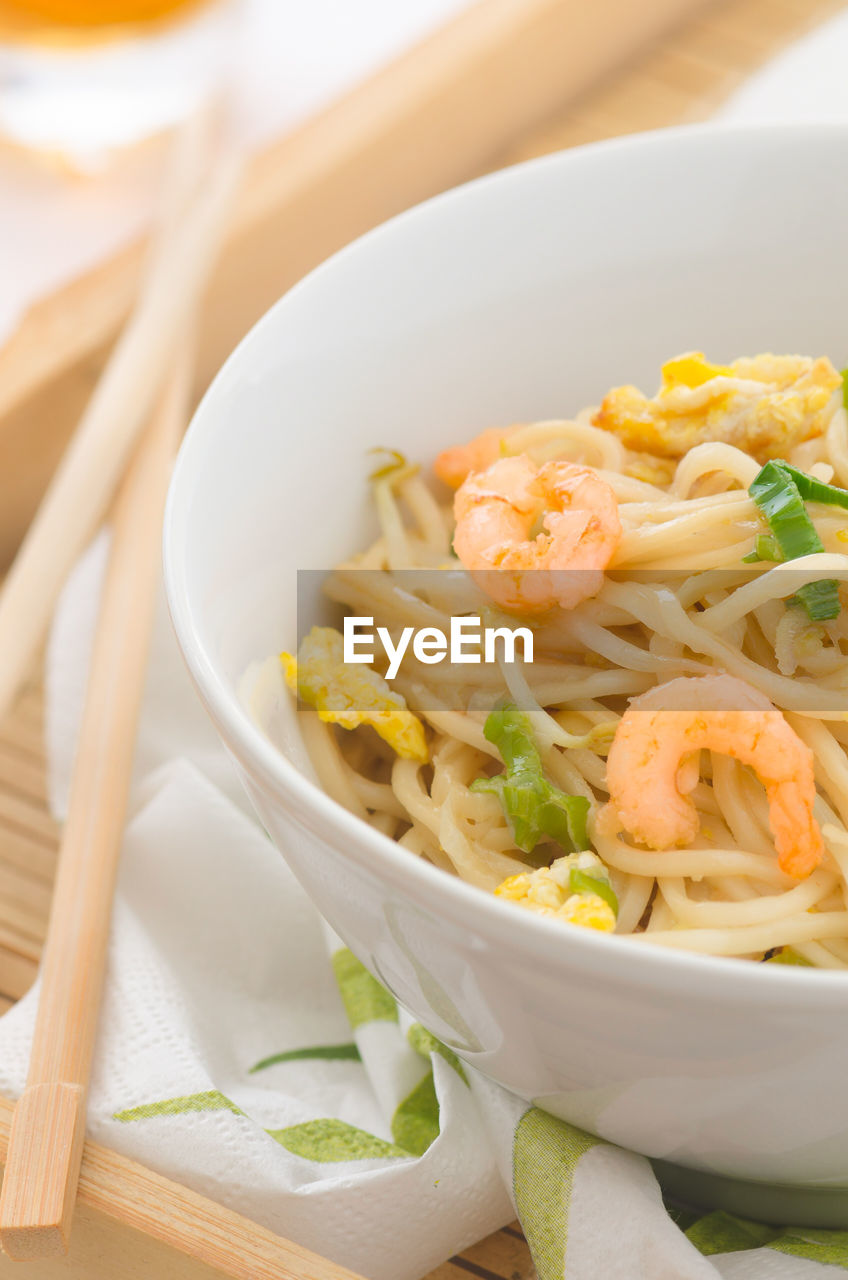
(765,548)
(533,806)
(580,882)
(780,492)
(813,490)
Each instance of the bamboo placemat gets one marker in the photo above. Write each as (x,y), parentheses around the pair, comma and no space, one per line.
(684,77)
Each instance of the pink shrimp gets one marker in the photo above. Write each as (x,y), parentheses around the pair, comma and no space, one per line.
(454,465)
(495,512)
(656,735)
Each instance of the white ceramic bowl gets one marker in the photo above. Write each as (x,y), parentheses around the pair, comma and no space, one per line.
(522,296)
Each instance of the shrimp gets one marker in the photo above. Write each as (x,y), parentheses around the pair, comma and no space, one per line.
(454,465)
(649,768)
(495,511)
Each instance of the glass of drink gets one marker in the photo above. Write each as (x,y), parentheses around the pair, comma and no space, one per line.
(82,78)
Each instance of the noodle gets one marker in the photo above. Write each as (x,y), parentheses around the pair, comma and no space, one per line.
(677,601)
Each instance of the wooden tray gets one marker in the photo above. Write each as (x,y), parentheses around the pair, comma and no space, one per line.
(132,1223)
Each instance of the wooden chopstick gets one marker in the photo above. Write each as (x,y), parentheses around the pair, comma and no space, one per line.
(83,486)
(127,1205)
(48,1129)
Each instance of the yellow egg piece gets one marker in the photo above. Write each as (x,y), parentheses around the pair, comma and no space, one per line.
(589,911)
(764,405)
(692,370)
(351,696)
(547,892)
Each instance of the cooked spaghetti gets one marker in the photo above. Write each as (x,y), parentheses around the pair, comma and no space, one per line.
(672,765)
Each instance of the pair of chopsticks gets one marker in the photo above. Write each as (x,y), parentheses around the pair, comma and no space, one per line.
(125,441)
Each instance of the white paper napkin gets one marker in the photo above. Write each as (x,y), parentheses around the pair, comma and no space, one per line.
(217,962)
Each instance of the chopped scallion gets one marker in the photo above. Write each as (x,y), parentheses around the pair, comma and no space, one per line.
(533,806)
(813,490)
(580,882)
(765,548)
(779,491)
(820,599)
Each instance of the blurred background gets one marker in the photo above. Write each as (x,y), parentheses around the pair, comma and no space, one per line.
(348,111)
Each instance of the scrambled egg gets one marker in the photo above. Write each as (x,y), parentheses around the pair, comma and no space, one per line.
(352,695)
(763,404)
(547,891)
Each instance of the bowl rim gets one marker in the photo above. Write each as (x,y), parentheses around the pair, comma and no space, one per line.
(605,956)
